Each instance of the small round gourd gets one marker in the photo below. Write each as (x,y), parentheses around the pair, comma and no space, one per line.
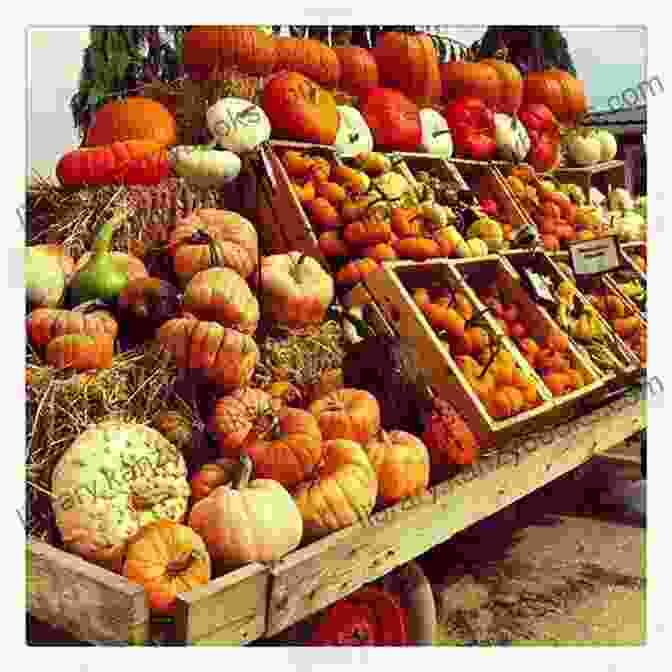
(238,125)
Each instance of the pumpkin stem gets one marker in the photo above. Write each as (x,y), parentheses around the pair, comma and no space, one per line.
(179,564)
(243,478)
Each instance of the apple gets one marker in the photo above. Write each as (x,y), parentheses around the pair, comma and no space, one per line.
(436,137)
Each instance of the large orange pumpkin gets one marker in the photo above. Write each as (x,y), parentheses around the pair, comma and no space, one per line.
(348,414)
(409,63)
(312,58)
(359,70)
(216,48)
(510,90)
(559,91)
(284,446)
(135,118)
(401,461)
(167,558)
(341,491)
(463,78)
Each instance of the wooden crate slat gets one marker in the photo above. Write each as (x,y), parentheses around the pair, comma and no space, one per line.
(229,610)
(91,603)
(310,579)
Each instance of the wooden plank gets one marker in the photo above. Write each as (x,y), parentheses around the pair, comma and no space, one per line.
(230,610)
(91,603)
(314,577)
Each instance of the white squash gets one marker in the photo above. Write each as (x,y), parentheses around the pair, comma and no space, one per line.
(583,149)
(436,137)
(354,135)
(238,125)
(608,144)
(513,142)
(205,167)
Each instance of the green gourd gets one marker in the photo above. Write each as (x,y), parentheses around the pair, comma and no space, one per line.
(102,277)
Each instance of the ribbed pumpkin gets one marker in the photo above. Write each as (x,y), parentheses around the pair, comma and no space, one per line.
(409,63)
(135,118)
(45,324)
(225,357)
(311,58)
(210,48)
(401,461)
(463,78)
(80,352)
(341,492)
(284,445)
(234,416)
(359,70)
(558,90)
(510,90)
(222,295)
(211,237)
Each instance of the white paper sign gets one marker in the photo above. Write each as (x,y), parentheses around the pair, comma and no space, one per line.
(591,257)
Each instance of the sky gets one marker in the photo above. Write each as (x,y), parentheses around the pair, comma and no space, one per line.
(609,60)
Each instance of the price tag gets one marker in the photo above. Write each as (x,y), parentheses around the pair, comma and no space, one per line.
(595,257)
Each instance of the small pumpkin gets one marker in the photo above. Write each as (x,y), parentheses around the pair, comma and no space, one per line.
(368,231)
(205,167)
(237,125)
(284,446)
(167,558)
(341,492)
(296,290)
(248,521)
(401,461)
(448,437)
(225,357)
(234,416)
(407,222)
(80,352)
(419,249)
(348,414)
(356,270)
(211,237)
(222,295)
(213,475)
(380,252)
(323,214)
(45,324)
(150,300)
(45,277)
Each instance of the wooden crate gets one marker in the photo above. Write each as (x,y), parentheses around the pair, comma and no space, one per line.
(543,262)
(479,176)
(601,176)
(391,286)
(479,273)
(96,605)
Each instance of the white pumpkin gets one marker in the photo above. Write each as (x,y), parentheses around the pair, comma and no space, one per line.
(205,167)
(621,199)
(608,144)
(354,135)
(513,142)
(436,137)
(238,125)
(583,149)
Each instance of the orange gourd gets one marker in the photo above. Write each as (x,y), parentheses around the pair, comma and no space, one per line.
(359,70)
(311,58)
(418,249)
(366,232)
(355,271)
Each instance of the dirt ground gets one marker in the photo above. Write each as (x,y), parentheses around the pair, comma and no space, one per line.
(565,566)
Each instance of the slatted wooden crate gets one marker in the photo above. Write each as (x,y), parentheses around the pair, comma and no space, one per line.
(601,176)
(392,288)
(542,262)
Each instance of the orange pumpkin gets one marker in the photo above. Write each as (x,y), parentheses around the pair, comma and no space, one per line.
(323,214)
(563,94)
(212,237)
(45,324)
(348,414)
(355,271)
(510,90)
(409,63)
(80,351)
(135,118)
(310,57)
(225,357)
(366,232)
(406,222)
(418,249)
(207,49)
(448,437)
(167,558)
(445,241)
(463,78)
(222,295)
(401,462)
(380,252)
(332,245)
(341,492)
(284,446)
(213,475)
(359,70)
(234,416)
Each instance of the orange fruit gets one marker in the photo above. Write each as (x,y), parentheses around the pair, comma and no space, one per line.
(519,379)
(529,346)
(557,340)
(480,338)
(463,306)
(503,373)
(557,383)
(333,192)
(448,319)
(575,378)
(421,297)
(531,394)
